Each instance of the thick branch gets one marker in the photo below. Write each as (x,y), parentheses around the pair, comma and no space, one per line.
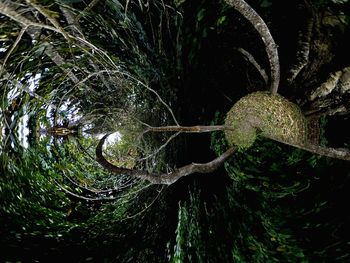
(271,48)
(162,178)
(188,129)
(337,153)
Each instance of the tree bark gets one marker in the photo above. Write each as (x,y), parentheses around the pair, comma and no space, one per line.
(271,48)
(162,178)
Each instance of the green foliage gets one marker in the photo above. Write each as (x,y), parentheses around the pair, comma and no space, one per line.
(268,167)
(265,3)
(233,229)
(200,20)
(271,202)
(37,215)
(54,195)
(189,246)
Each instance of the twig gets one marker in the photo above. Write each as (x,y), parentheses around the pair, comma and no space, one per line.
(143,210)
(189,129)
(161,147)
(9,12)
(53,21)
(84,197)
(87,9)
(138,82)
(251,59)
(19,37)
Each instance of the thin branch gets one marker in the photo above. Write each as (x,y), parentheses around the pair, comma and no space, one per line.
(59,61)
(143,210)
(138,82)
(26,23)
(87,9)
(19,37)
(162,178)
(337,80)
(9,79)
(84,197)
(52,20)
(9,12)
(271,48)
(161,147)
(73,24)
(251,59)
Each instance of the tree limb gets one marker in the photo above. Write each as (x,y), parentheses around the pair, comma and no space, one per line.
(252,60)
(271,48)
(337,153)
(188,129)
(162,178)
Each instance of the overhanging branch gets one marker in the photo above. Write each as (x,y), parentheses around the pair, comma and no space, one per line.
(162,178)
(271,48)
(337,153)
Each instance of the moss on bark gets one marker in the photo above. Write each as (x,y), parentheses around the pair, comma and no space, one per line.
(265,114)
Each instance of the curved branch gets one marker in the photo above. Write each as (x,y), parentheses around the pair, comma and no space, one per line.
(162,178)
(252,60)
(271,48)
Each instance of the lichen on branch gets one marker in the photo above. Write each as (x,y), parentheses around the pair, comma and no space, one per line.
(265,114)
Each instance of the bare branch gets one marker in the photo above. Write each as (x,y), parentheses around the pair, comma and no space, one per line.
(73,22)
(59,61)
(337,153)
(123,73)
(337,80)
(9,12)
(271,48)
(61,187)
(331,97)
(19,37)
(9,79)
(35,32)
(162,178)
(161,147)
(47,15)
(87,9)
(188,129)
(251,59)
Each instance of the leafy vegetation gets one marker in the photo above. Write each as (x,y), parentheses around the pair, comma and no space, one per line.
(263,215)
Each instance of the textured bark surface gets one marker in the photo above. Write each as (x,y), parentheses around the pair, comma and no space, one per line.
(271,48)
(265,114)
(162,178)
